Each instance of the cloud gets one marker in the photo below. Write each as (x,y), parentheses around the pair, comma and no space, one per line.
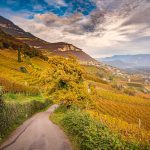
(112,28)
(74,24)
(56,2)
(140,16)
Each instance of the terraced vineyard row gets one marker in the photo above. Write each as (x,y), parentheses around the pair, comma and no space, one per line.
(124,114)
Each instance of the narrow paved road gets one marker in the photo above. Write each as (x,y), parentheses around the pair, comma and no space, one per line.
(38,133)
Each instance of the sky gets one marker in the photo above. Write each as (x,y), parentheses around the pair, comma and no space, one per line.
(100,28)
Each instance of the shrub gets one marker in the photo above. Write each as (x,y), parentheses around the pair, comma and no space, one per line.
(134,84)
(21,111)
(90,134)
(130,91)
(117,86)
(23,69)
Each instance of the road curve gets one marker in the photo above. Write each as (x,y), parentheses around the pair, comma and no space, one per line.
(38,133)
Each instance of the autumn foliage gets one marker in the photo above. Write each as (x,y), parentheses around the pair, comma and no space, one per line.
(64,81)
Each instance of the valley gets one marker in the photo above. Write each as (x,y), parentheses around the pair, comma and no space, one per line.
(101,107)
(136,64)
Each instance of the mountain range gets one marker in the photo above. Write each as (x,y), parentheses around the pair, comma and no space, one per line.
(59,48)
(133,63)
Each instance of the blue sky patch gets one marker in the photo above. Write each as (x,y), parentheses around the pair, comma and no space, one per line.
(44,6)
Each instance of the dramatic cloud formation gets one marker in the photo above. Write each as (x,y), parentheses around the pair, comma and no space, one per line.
(100,27)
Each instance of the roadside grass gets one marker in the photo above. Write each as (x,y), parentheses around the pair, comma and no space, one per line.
(20,98)
(56,118)
(85,133)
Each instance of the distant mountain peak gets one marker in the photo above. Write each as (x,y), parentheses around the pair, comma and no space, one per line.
(128,61)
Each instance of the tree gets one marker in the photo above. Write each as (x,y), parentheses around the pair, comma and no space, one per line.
(63,81)
(1,45)
(19,54)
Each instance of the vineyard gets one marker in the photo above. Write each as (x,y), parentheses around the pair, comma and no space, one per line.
(124,114)
(86,132)
(127,115)
(93,90)
(14,79)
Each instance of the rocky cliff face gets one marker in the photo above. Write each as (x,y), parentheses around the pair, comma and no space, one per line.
(68,47)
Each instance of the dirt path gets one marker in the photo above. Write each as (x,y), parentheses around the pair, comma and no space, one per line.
(38,133)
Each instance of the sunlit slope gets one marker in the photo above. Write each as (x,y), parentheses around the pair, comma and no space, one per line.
(19,75)
(124,114)
(127,108)
(110,104)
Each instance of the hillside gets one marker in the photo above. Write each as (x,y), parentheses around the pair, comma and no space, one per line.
(9,42)
(60,48)
(103,106)
(134,59)
(119,64)
(83,87)
(54,95)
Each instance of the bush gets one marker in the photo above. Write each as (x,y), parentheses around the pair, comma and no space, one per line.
(130,91)
(90,134)
(117,86)
(21,111)
(134,84)
(23,69)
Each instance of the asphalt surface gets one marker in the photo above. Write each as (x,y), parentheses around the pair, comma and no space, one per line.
(38,133)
